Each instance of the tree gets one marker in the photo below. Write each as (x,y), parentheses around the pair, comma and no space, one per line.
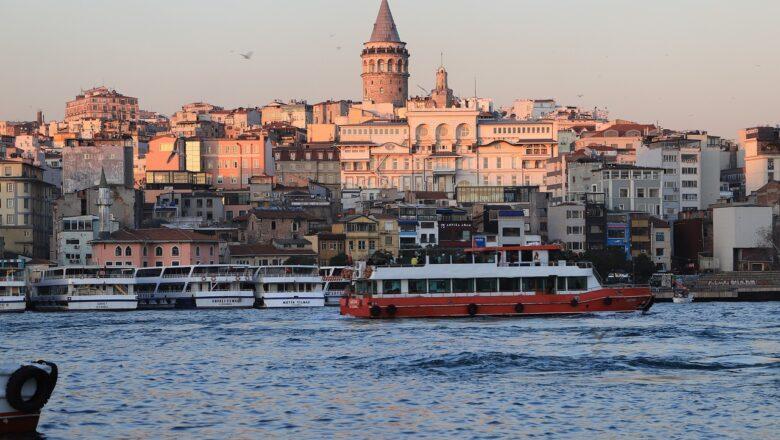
(643,269)
(301,260)
(380,258)
(608,260)
(341,259)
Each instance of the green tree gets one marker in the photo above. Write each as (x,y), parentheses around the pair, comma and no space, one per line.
(380,258)
(341,259)
(643,269)
(301,260)
(608,260)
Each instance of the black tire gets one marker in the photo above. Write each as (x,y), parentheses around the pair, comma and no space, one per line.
(375,311)
(43,389)
(608,301)
(519,307)
(391,309)
(471,309)
(53,375)
(574,302)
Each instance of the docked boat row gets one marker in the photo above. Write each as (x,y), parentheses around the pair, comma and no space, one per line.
(81,288)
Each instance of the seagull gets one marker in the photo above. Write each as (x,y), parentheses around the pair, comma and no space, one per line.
(580,96)
(247,55)
(332,35)
(338,47)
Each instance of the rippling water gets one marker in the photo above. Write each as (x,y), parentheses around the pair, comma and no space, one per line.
(693,371)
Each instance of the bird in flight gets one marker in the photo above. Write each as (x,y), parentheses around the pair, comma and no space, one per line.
(247,55)
(580,96)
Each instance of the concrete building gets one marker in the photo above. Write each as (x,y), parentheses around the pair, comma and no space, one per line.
(626,187)
(761,146)
(84,159)
(271,254)
(102,103)
(740,237)
(296,113)
(25,209)
(691,178)
(566,225)
(74,238)
(523,109)
(299,165)
(155,247)
(661,244)
(385,63)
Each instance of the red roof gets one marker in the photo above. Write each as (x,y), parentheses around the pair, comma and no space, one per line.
(156,235)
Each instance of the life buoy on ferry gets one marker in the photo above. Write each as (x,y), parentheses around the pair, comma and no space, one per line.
(375,311)
(43,388)
(203,278)
(391,309)
(575,301)
(472,309)
(608,301)
(519,307)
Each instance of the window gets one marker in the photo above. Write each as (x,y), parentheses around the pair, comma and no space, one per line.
(624,192)
(463,285)
(391,286)
(577,283)
(197,251)
(361,244)
(118,251)
(690,184)
(175,251)
(158,251)
(128,252)
(640,193)
(438,286)
(487,284)
(273,225)
(417,286)
(659,252)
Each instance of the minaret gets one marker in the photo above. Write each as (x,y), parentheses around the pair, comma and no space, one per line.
(385,63)
(104,206)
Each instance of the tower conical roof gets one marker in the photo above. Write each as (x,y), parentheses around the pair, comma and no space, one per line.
(384,28)
(103,181)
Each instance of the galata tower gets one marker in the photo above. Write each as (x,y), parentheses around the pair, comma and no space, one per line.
(385,63)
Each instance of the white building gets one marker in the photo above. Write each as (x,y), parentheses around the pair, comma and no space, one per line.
(74,237)
(566,225)
(762,156)
(739,241)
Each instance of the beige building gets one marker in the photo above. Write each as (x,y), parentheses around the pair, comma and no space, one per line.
(762,156)
(102,103)
(25,209)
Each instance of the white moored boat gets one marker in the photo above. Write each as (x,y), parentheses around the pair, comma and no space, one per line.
(81,288)
(202,286)
(13,286)
(336,280)
(24,391)
(288,286)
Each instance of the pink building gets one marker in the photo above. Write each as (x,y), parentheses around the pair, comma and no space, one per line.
(229,162)
(155,247)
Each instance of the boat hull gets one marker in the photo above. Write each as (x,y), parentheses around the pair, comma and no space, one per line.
(12,304)
(109,303)
(230,300)
(333,298)
(18,422)
(465,305)
(280,300)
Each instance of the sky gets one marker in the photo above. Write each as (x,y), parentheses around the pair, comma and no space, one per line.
(686,64)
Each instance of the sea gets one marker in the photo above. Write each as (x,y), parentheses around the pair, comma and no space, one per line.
(701,370)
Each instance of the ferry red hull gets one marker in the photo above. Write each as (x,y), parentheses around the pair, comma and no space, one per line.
(603,300)
(18,422)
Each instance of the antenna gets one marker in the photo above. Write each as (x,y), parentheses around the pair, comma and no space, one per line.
(442,58)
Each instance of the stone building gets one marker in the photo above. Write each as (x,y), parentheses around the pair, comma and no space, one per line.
(25,209)
(264,225)
(155,247)
(299,165)
(385,63)
(83,160)
(102,103)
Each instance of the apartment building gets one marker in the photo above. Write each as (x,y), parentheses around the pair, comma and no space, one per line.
(25,209)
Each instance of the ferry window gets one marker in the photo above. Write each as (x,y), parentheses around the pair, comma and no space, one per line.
(534,284)
(487,284)
(463,285)
(438,286)
(158,251)
(509,284)
(118,251)
(577,283)
(561,283)
(175,251)
(391,286)
(417,286)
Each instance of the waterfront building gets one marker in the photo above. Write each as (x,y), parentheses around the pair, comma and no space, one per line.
(623,136)
(329,245)
(626,187)
(155,248)
(299,165)
(567,225)
(296,113)
(271,254)
(74,236)
(761,146)
(742,237)
(25,208)
(261,225)
(102,103)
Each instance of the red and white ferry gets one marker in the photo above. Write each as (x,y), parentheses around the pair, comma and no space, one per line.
(498,281)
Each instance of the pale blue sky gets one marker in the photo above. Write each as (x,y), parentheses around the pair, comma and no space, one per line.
(708,64)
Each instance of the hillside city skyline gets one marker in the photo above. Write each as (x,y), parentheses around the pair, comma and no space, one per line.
(702,81)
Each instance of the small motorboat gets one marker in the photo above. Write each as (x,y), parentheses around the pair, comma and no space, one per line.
(24,391)
(683,297)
